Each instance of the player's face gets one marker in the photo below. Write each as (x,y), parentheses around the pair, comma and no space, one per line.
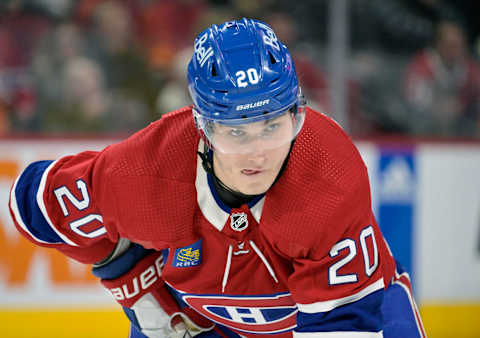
(253,171)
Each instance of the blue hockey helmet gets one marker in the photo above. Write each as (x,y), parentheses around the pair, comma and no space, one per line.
(241,74)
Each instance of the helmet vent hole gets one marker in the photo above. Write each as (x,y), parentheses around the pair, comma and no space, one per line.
(214,70)
(272,58)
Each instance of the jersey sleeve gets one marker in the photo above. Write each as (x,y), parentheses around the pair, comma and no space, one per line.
(338,284)
(59,204)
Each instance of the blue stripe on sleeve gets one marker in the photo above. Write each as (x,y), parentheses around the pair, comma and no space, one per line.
(362,315)
(26,198)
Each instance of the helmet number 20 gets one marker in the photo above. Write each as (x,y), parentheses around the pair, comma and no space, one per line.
(244,78)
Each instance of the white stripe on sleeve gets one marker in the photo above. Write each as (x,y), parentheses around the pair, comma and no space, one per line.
(43,209)
(16,213)
(332,304)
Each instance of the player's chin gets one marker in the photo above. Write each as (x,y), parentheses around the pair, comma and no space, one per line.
(255,188)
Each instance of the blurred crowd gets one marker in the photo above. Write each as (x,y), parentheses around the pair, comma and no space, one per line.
(113,66)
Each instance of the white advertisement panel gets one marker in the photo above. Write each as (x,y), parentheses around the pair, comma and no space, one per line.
(448,218)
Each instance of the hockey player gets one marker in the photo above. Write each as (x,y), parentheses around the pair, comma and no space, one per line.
(247,214)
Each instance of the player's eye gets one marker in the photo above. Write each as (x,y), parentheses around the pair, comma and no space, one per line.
(236,133)
(272,127)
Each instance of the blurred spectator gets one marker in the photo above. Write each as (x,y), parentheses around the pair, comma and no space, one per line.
(64,44)
(20,31)
(167,27)
(71,87)
(84,103)
(88,106)
(113,45)
(174,93)
(442,86)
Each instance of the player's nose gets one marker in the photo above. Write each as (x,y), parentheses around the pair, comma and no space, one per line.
(257,157)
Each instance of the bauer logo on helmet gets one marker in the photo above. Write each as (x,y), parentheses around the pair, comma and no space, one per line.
(252,105)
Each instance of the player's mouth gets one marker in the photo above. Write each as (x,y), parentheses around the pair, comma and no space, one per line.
(251,172)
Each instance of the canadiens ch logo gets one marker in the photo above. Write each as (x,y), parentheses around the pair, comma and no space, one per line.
(239,221)
(259,314)
(190,255)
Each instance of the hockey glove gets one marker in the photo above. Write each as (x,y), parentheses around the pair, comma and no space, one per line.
(134,280)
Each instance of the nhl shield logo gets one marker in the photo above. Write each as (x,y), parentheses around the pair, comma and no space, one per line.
(239,221)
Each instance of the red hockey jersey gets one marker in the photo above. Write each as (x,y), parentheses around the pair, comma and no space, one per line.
(306,256)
